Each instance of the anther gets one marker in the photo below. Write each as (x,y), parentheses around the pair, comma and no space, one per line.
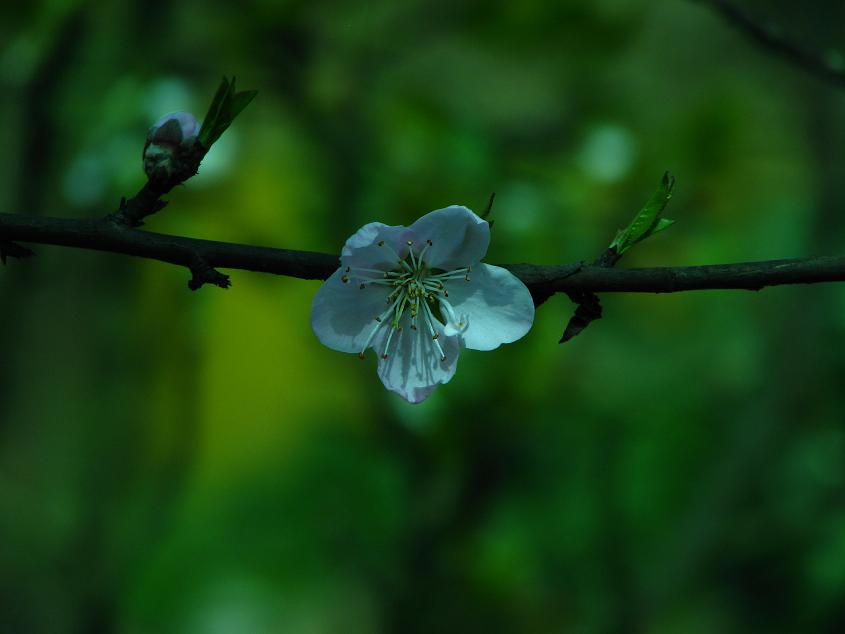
(381,243)
(410,243)
(361,355)
(344,279)
(362,286)
(384,356)
(348,268)
(428,242)
(436,335)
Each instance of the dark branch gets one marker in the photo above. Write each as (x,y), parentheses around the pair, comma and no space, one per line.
(147,201)
(771,38)
(542,280)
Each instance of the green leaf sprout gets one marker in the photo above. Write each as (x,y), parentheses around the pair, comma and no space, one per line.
(648,221)
(225,106)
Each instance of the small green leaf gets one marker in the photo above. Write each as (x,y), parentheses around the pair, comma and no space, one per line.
(648,220)
(240,101)
(208,123)
(225,106)
(660,225)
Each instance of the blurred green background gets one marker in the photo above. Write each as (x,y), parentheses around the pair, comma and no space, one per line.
(177,462)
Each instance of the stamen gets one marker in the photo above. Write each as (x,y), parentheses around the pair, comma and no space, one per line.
(434,286)
(451,275)
(414,310)
(429,318)
(397,313)
(376,282)
(440,350)
(384,354)
(411,255)
(358,275)
(366,270)
(399,260)
(422,253)
(370,338)
(378,325)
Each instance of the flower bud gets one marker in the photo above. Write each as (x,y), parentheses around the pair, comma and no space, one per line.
(166,139)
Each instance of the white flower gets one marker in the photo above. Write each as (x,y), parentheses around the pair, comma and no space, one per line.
(416,294)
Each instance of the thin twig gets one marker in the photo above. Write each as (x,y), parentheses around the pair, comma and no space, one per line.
(102,235)
(771,38)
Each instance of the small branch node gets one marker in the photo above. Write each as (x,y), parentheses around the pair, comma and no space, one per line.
(203,273)
(589,310)
(9,249)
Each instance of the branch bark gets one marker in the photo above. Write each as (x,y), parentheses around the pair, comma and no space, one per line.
(771,38)
(542,280)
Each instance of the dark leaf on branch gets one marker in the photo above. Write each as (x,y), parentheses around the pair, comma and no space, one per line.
(485,215)
(588,311)
(13,250)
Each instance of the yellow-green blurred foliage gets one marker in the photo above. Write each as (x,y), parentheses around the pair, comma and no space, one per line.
(178,462)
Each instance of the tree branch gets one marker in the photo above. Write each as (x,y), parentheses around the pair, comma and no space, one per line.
(771,38)
(542,280)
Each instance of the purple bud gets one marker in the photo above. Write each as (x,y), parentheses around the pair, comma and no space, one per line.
(174,128)
(167,141)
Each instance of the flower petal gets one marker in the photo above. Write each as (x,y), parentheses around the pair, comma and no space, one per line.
(498,306)
(413,367)
(342,314)
(458,237)
(363,248)
(189,127)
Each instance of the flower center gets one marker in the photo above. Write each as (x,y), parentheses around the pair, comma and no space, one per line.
(413,287)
